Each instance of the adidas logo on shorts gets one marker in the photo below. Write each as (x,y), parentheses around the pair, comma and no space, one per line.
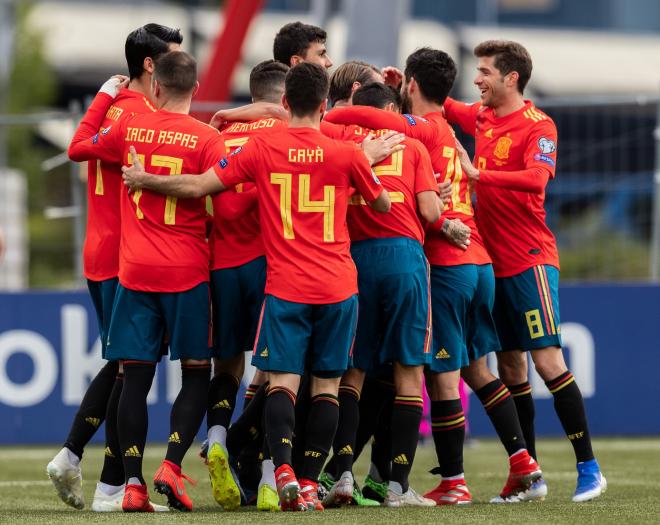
(442,354)
(264,352)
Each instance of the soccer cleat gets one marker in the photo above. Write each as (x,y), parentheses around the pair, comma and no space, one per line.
(267,499)
(326,481)
(450,492)
(204,450)
(309,493)
(590,483)
(168,480)
(360,500)
(288,490)
(341,492)
(113,502)
(67,478)
(410,498)
(136,499)
(225,488)
(374,490)
(525,482)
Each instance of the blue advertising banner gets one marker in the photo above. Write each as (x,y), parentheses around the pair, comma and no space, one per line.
(49,351)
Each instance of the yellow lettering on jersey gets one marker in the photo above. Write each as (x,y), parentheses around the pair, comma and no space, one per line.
(395,167)
(455,175)
(284,181)
(175,165)
(306,155)
(114,113)
(99,179)
(326,206)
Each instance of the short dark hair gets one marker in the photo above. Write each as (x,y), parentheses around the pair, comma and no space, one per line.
(305,88)
(433,70)
(267,81)
(341,81)
(376,95)
(509,56)
(150,40)
(295,39)
(176,71)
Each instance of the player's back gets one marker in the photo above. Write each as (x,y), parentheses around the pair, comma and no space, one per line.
(304,183)
(235,242)
(163,246)
(402,174)
(104,185)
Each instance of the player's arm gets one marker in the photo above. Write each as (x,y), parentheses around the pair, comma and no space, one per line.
(249,112)
(426,187)
(374,118)
(87,142)
(368,185)
(233,205)
(465,115)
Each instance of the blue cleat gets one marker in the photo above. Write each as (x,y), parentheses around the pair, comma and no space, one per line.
(590,483)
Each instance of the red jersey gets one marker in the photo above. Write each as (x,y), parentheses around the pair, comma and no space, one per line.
(433,132)
(303,184)
(236,242)
(513,222)
(403,174)
(163,239)
(104,184)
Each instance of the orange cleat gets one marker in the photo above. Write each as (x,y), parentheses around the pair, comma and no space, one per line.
(309,493)
(136,499)
(288,490)
(525,482)
(450,492)
(168,480)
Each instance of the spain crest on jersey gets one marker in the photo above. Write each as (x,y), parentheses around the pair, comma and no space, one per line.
(502,147)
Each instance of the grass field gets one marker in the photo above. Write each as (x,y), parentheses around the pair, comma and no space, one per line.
(631,466)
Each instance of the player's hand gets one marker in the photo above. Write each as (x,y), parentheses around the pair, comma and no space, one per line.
(445,190)
(114,84)
(466,163)
(457,233)
(392,76)
(379,148)
(133,174)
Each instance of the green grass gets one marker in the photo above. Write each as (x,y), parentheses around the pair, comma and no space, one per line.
(631,467)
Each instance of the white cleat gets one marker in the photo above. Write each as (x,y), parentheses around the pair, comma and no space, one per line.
(67,479)
(537,491)
(410,498)
(112,502)
(341,492)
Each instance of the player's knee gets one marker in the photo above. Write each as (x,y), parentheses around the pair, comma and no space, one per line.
(354,378)
(549,362)
(477,375)
(444,386)
(512,369)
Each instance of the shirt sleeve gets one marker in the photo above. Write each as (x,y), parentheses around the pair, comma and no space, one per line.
(541,149)
(424,176)
(363,178)
(465,115)
(531,180)
(213,151)
(239,166)
(91,143)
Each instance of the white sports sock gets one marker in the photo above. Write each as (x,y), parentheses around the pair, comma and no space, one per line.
(457,476)
(133,481)
(109,490)
(217,434)
(395,487)
(267,473)
(373,473)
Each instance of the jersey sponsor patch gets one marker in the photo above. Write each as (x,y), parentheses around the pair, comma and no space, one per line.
(545,158)
(411,120)
(223,163)
(105,131)
(547,146)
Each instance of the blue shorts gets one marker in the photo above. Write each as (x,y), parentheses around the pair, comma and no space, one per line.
(294,337)
(526,309)
(394,322)
(463,328)
(103,297)
(140,320)
(237,295)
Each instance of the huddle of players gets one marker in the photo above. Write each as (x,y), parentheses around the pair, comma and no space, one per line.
(290,202)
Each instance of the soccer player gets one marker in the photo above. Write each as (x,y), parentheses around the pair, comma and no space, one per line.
(516,154)
(462,291)
(394,324)
(163,271)
(101,265)
(238,278)
(303,184)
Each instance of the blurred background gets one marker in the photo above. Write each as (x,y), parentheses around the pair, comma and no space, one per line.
(596,73)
